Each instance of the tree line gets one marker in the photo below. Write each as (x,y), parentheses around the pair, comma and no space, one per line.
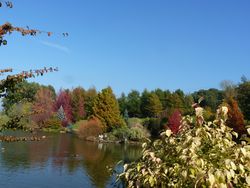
(70,106)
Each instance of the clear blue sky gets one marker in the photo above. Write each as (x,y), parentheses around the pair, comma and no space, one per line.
(132,44)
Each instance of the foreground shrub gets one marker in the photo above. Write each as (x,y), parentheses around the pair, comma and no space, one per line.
(202,154)
(92,127)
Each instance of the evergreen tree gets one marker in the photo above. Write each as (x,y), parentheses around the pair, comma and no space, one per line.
(122,103)
(144,103)
(134,104)
(89,97)
(243,97)
(154,107)
(126,116)
(106,109)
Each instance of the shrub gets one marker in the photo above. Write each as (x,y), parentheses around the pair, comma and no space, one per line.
(121,133)
(53,123)
(202,155)
(92,127)
(3,119)
(139,133)
(174,122)
(135,133)
(134,121)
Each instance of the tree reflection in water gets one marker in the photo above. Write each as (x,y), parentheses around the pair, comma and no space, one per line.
(67,155)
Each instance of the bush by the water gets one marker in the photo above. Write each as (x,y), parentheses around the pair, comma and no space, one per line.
(202,154)
(92,127)
(135,133)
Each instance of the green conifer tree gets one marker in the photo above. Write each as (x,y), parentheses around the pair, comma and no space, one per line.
(106,108)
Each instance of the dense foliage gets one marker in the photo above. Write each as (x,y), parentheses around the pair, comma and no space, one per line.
(106,109)
(202,154)
(243,97)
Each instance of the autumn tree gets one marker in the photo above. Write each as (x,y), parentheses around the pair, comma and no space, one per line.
(106,109)
(77,103)
(63,100)
(43,105)
(235,117)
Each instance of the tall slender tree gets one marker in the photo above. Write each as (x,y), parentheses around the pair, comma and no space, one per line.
(77,103)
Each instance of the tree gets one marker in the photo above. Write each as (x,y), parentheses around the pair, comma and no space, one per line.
(43,105)
(77,103)
(134,104)
(122,103)
(162,96)
(106,109)
(243,97)
(152,106)
(229,89)
(235,117)
(64,100)
(21,91)
(19,115)
(89,98)
(7,85)
(144,103)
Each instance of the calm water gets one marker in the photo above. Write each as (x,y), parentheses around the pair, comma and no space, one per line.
(61,160)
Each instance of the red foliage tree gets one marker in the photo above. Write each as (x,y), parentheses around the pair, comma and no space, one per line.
(77,103)
(174,121)
(235,117)
(43,105)
(63,99)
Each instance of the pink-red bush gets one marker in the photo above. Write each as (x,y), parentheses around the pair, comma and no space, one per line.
(174,122)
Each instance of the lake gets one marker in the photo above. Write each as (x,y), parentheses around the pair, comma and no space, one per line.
(61,160)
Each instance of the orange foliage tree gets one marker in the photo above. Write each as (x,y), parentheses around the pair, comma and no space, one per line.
(235,117)
(44,105)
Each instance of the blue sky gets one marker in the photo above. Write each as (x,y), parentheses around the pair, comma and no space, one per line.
(132,44)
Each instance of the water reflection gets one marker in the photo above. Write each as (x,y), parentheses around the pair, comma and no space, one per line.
(63,159)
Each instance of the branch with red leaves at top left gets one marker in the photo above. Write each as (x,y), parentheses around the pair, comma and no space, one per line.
(10,81)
